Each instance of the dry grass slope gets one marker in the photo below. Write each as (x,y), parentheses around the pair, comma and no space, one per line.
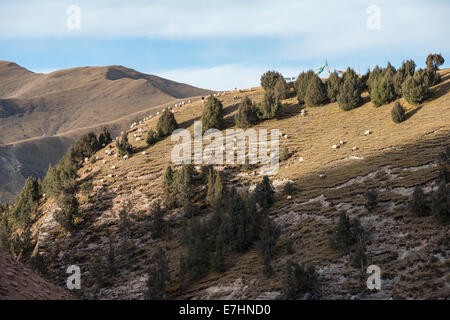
(412,252)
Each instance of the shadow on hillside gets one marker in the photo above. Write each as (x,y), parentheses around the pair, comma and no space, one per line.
(413,112)
(441,89)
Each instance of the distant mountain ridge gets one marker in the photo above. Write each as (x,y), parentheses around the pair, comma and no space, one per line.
(42,114)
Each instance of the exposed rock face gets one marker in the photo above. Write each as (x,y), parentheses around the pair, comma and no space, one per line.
(18,281)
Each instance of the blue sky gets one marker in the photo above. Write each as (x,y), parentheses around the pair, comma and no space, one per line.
(222,44)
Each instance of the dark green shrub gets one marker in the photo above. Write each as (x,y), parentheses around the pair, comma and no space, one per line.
(269,107)
(104,137)
(398,113)
(212,116)
(418,204)
(440,205)
(343,237)
(85,147)
(434,61)
(299,280)
(264,192)
(349,96)
(289,188)
(158,276)
(333,86)
(152,137)
(371,200)
(68,211)
(285,154)
(415,89)
(316,93)
(301,84)
(166,124)
(158,223)
(375,75)
(246,114)
(268,239)
(407,69)
(384,91)
(123,146)
(270,79)
(281,89)
(26,203)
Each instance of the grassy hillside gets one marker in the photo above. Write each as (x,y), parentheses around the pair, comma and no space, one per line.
(411,251)
(65,104)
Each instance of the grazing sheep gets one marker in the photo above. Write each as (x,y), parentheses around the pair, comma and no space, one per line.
(104,161)
(286,136)
(125,156)
(335,146)
(300,159)
(102,180)
(322,176)
(115,155)
(342,142)
(157,113)
(289,197)
(354,148)
(367,132)
(113,167)
(144,153)
(86,159)
(110,175)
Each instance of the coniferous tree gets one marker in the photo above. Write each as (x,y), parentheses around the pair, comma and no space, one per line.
(415,89)
(316,93)
(166,124)
(333,86)
(299,280)
(264,192)
(123,146)
(158,276)
(104,137)
(349,96)
(383,92)
(246,114)
(418,204)
(269,80)
(398,113)
(371,200)
(302,84)
(269,107)
(281,89)
(212,116)
(152,137)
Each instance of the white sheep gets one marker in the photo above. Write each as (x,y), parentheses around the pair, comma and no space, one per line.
(322,176)
(86,159)
(335,146)
(289,197)
(138,139)
(342,142)
(367,132)
(113,167)
(125,156)
(144,153)
(300,159)
(354,148)
(104,161)
(157,113)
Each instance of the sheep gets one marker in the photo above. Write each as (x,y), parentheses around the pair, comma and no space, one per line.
(138,139)
(157,113)
(286,136)
(144,153)
(322,176)
(113,167)
(354,148)
(335,146)
(125,157)
(342,142)
(104,161)
(140,130)
(110,175)
(86,159)
(289,197)
(115,155)
(300,159)
(367,132)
